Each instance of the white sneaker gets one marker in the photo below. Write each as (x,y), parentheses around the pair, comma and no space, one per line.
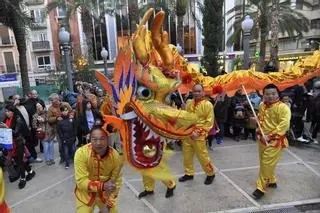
(301,139)
(38,160)
(315,141)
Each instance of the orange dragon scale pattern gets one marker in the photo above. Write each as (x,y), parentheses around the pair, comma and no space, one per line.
(148,71)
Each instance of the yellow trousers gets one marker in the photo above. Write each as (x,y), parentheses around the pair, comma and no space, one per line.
(83,208)
(199,147)
(148,183)
(269,157)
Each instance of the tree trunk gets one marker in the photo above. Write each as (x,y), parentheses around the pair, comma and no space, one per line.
(88,31)
(20,36)
(263,34)
(180,32)
(274,32)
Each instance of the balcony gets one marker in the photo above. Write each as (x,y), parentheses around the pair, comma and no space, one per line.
(41,46)
(34,2)
(38,26)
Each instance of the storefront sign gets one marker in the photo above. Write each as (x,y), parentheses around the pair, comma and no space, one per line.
(8,77)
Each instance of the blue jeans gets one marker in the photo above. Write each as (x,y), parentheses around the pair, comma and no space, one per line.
(68,149)
(48,149)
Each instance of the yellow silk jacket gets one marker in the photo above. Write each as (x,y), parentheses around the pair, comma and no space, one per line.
(2,189)
(91,172)
(204,110)
(3,206)
(275,122)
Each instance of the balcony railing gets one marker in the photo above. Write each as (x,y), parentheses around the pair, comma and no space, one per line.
(41,25)
(34,2)
(41,46)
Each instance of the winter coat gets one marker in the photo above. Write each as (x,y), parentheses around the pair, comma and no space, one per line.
(40,121)
(67,130)
(54,112)
(221,108)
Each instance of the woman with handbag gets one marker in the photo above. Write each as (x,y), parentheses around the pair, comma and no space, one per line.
(44,133)
(20,152)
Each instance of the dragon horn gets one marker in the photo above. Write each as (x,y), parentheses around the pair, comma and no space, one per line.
(161,41)
(146,17)
(139,37)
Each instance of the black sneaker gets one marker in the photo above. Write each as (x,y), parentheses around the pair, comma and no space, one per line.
(257,194)
(145,193)
(169,192)
(61,161)
(273,185)
(30,175)
(185,178)
(22,183)
(209,180)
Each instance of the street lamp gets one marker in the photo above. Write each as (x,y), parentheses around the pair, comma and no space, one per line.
(64,38)
(246,25)
(104,54)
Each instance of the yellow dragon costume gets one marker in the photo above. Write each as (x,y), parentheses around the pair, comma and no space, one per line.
(146,73)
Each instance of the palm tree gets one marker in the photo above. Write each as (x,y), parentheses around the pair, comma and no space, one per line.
(291,22)
(12,16)
(274,32)
(87,10)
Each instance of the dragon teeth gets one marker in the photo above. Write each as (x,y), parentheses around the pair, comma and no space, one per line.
(150,135)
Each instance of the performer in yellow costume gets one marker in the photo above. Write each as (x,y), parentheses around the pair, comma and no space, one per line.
(148,182)
(274,117)
(3,205)
(197,143)
(98,174)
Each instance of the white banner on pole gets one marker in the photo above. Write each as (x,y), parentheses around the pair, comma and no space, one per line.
(6,139)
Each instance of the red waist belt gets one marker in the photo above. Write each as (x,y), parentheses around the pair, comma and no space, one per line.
(274,137)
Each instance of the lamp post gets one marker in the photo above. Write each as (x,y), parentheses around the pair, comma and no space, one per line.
(104,54)
(64,38)
(246,25)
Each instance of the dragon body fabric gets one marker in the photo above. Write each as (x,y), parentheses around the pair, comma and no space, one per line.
(147,72)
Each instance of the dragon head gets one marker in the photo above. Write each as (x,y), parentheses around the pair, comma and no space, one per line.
(144,79)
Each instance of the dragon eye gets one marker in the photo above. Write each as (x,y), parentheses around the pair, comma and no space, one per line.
(144,93)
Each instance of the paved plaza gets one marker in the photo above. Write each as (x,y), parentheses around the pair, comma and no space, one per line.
(51,191)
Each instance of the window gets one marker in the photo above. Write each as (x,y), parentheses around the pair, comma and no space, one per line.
(315,23)
(316,4)
(61,12)
(43,37)
(299,5)
(44,62)
(9,61)
(36,16)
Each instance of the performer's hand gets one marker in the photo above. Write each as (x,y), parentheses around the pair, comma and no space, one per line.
(109,186)
(195,135)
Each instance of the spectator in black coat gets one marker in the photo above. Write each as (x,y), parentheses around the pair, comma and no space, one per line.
(314,111)
(221,109)
(30,105)
(19,132)
(67,131)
